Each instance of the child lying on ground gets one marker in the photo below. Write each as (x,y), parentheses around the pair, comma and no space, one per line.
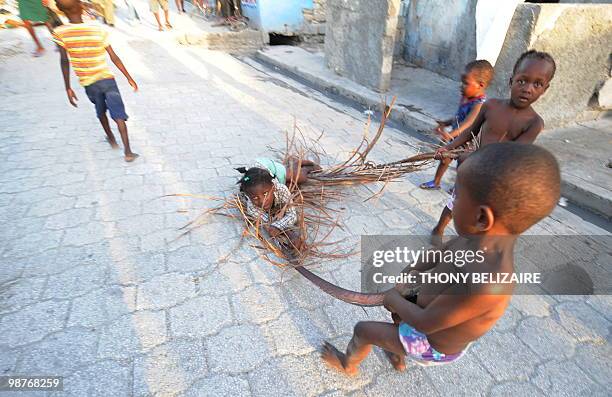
(510,119)
(474,82)
(268,200)
(502,190)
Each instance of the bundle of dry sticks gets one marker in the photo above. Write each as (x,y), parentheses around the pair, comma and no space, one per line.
(317,218)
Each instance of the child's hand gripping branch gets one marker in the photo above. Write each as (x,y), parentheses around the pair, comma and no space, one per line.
(84,46)
(496,202)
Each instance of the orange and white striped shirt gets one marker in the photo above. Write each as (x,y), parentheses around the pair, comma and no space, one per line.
(86,45)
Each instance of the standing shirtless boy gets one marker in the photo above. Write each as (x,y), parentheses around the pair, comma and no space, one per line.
(512,119)
(501,191)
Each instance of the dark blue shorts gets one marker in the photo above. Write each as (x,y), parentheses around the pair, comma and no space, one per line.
(105,95)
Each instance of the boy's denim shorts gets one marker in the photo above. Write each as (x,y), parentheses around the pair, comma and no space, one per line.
(105,95)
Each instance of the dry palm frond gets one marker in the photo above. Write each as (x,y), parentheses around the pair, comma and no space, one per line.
(317,216)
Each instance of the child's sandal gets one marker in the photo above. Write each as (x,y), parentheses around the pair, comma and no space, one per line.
(431,185)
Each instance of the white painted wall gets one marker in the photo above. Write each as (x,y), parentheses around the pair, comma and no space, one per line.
(492,21)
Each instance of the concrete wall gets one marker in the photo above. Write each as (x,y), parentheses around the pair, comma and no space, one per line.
(441,35)
(360,38)
(578,37)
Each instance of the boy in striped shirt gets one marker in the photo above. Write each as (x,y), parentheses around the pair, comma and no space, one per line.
(86,45)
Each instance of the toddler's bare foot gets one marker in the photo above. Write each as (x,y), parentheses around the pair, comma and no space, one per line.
(131,157)
(160,28)
(336,359)
(398,362)
(168,25)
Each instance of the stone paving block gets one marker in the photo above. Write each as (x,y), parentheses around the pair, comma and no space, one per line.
(106,174)
(140,225)
(601,303)
(80,188)
(411,382)
(11,269)
(88,233)
(166,239)
(258,304)
(169,369)
(101,306)
(166,205)
(117,248)
(165,291)
(200,317)
(69,218)
(53,261)
(303,374)
(137,268)
(147,192)
(36,195)
(110,212)
(132,334)
(123,182)
(401,219)
(531,305)
(237,349)
(508,321)
(492,351)
(104,378)
(75,282)
(215,234)
(64,178)
(344,317)
(582,322)
(594,360)
(8,359)
(518,389)
(270,378)
(226,277)
(193,258)
(216,385)
(20,185)
(21,292)
(564,378)
(546,338)
(297,332)
(32,323)
(60,353)
(143,168)
(99,198)
(33,243)
(465,377)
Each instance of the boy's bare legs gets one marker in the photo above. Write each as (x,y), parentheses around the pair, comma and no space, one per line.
(366,334)
(167,19)
(110,138)
(438,230)
(442,167)
(39,48)
(180,6)
(299,174)
(159,25)
(129,155)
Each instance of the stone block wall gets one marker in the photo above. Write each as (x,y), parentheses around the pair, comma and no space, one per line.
(314,18)
(578,36)
(360,40)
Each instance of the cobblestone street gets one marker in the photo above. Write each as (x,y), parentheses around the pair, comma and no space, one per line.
(97,286)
